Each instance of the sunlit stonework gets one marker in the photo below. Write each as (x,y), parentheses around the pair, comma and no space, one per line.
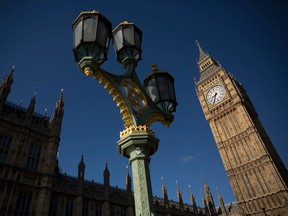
(256,173)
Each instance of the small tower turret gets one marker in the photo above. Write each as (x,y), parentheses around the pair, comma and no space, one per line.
(179,195)
(205,205)
(106,175)
(209,199)
(80,187)
(5,86)
(31,108)
(106,196)
(81,168)
(222,205)
(56,119)
(81,171)
(129,195)
(165,193)
(128,183)
(193,201)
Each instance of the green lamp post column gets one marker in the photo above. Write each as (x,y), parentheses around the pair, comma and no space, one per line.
(140,105)
(138,144)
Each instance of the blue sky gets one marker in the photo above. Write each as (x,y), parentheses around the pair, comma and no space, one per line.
(249,39)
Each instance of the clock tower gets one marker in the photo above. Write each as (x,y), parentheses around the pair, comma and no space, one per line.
(256,173)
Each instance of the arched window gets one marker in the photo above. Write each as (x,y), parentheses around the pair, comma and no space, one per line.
(23,203)
(98,209)
(5,142)
(33,157)
(53,205)
(69,207)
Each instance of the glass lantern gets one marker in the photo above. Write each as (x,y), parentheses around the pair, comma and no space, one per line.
(159,85)
(92,33)
(127,39)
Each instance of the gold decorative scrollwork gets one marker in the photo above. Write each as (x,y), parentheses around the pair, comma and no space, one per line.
(126,115)
(130,96)
(135,97)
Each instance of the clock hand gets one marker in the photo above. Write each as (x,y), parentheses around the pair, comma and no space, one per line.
(214,97)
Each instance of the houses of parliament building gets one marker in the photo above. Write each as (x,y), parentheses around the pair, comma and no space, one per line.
(31,183)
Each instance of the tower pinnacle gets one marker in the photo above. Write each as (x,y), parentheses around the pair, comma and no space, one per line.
(207,65)
(56,119)
(193,201)
(128,182)
(202,54)
(209,199)
(106,175)
(6,86)
(31,108)
(179,194)
(165,193)
(81,168)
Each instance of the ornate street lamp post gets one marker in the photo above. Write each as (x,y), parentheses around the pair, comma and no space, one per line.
(140,105)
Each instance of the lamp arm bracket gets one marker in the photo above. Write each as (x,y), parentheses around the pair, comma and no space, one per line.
(136,107)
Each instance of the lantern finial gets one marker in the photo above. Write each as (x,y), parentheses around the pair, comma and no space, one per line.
(154,67)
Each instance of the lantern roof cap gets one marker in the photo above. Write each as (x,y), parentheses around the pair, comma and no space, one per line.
(155,70)
(126,23)
(88,13)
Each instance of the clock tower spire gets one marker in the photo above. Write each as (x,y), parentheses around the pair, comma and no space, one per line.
(206,64)
(256,173)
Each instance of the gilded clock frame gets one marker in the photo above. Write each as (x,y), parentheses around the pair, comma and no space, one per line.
(226,96)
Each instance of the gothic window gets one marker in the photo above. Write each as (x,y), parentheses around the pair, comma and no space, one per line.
(5,142)
(53,206)
(69,208)
(23,204)
(112,211)
(98,209)
(122,211)
(33,157)
(85,209)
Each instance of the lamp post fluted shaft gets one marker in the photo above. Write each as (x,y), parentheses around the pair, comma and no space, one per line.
(140,105)
(138,144)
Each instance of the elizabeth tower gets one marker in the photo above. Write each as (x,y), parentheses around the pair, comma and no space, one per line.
(256,173)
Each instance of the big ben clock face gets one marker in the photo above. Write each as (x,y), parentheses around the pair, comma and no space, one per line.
(215,94)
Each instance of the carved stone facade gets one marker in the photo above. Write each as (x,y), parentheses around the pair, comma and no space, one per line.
(256,173)
(30,180)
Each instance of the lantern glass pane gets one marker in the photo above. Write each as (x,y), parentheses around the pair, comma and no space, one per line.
(118,40)
(152,90)
(170,107)
(78,34)
(101,58)
(102,33)
(128,36)
(80,52)
(137,57)
(137,39)
(171,90)
(163,88)
(90,25)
